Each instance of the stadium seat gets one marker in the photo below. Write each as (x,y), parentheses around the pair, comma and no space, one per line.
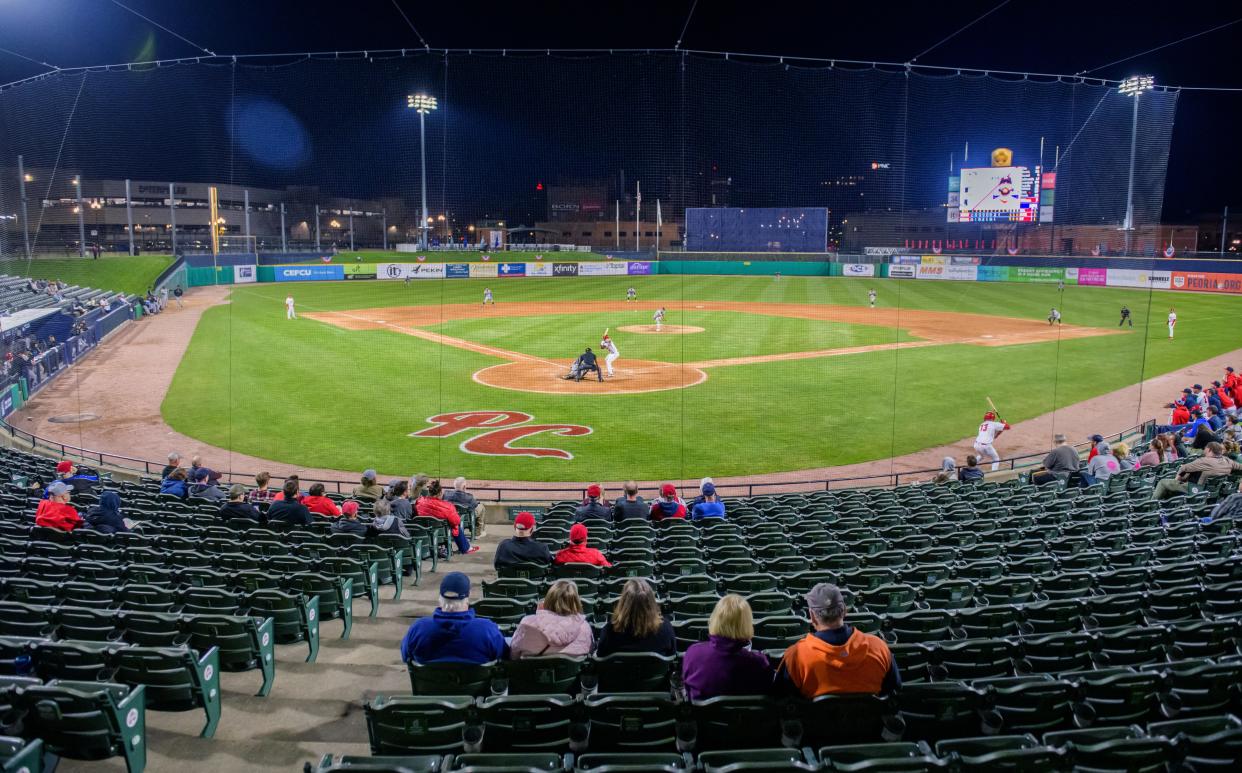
(1002,752)
(1036,703)
(634,762)
(1212,743)
(736,722)
(628,722)
(544,675)
(1203,687)
(176,679)
(449,678)
(295,618)
(516,762)
(526,723)
(945,710)
(848,718)
(430,763)
(645,672)
(738,760)
(88,720)
(17,755)
(82,661)
(244,643)
(335,596)
(1122,696)
(415,724)
(880,757)
(972,659)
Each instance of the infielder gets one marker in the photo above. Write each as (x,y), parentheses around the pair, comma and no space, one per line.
(607,345)
(1172,322)
(631,295)
(871,295)
(1054,316)
(1125,317)
(487,296)
(659,319)
(989,430)
(291,314)
(1060,285)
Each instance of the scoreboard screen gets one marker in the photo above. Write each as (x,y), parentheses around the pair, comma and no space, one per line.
(997,194)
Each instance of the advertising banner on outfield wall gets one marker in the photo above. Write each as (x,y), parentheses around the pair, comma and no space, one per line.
(1128,277)
(483,270)
(858,269)
(954,273)
(638,268)
(1207,282)
(360,271)
(933,260)
(1093,277)
(409,270)
(564,269)
(963,260)
(457,270)
(616,268)
(1036,274)
(902,272)
(538,269)
(994,273)
(511,269)
(308,273)
(592,269)
(245,274)
(906,260)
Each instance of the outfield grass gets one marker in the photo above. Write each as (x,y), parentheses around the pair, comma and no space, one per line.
(114,272)
(457,256)
(317,395)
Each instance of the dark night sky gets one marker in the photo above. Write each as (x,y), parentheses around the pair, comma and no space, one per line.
(1054,37)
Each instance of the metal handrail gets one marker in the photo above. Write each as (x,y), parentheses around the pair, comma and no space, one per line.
(517,492)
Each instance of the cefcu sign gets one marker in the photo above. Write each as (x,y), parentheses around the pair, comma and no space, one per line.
(309,273)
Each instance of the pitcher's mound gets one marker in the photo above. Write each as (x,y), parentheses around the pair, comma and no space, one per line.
(666,329)
(632,377)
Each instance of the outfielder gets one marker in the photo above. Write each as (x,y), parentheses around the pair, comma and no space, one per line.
(1172,322)
(989,430)
(659,319)
(607,345)
(631,295)
(1125,317)
(487,296)
(1054,316)
(291,314)
(871,295)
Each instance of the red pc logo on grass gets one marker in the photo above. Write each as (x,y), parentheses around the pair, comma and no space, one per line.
(500,430)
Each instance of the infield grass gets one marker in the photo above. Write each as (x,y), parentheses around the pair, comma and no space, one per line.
(316,395)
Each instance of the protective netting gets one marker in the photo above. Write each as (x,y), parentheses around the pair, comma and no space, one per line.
(316,155)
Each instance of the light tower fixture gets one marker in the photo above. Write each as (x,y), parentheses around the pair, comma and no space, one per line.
(422,104)
(1134,86)
(1137,84)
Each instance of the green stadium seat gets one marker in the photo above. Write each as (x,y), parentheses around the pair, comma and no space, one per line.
(748,584)
(1036,703)
(1002,752)
(624,672)
(930,625)
(755,759)
(629,722)
(448,678)
(914,660)
(25,620)
(880,757)
(1212,743)
(972,659)
(81,661)
(176,679)
(416,724)
(634,762)
(531,723)
(88,720)
(848,718)
(1132,646)
(522,571)
(736,722)
(295,618)
(528,762)
(1116,747)
(17,755)
(510,588)
(244,643)
(1122,696)
(335,594)
(429,763)
(987,622)
(544,675)
(948,594)
(1202,687)
(945,710)
(1056,652)
(503,611)
(152,629)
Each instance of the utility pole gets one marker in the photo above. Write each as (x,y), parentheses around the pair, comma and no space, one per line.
(172,219)
(129,217)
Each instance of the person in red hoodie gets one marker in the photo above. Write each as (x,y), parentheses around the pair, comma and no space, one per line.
(669,505)
(55,512)
(1181,414)
(432,504)
(317,503)
(578,552)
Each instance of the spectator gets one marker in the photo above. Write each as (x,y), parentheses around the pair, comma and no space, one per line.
(289,509)
(174,461)
(636,624)
(434,506)
(319,504)
(174,484)
(1214,419)
(418,485)
(1211,465)
(385,522)
(521,548)
(1125,459)
(1155,453)
(1229,507)
(592,506)
(1232,450)
(577,552)
(238,507)
(1101,467)
(1197,423)
(453,634)
(462,498)
(196,464)
(105,517)
(368,489)
(971,472)
(836,657)
(948,469)
(558,626)
(1095,447)
(201,486)
(348,523)
(630,505)
(725,664)
(710,506)
(1060,464)
(1181,413)
(1228,405)
(399,500)
(702,484)
(55,512)
(1177,449)
(261,492)
(1233,429)
(81,481)
(297,489)
(668,505)
(381,509)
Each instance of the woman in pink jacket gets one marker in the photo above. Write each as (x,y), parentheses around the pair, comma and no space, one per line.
(558,626)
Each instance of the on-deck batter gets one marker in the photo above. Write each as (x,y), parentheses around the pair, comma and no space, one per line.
(989,430)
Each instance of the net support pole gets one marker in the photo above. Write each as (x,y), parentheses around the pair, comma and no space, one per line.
(172,219)
(81,219)
(638,208)
(317,247)
(351,227)
(384,225)
(284,245)
(129,216)
(246,211)
(1224,227)
(21,182)
(422,151)
(1129,224)
(617,230)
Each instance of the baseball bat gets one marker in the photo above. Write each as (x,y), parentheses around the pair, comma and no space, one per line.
(992,405)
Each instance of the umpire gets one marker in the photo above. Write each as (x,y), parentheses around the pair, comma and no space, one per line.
(585,363)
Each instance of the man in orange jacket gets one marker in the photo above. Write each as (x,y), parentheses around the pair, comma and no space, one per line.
(578,552)
(55,512)
(836,658)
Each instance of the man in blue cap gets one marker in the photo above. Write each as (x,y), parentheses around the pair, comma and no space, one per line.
(453,634)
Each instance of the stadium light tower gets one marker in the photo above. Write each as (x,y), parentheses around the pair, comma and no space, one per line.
(423,104)
(1134,86)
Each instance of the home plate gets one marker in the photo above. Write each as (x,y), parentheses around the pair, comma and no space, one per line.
(699,306)
(987,336)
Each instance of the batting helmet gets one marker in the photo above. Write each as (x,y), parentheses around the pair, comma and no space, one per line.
(989,416)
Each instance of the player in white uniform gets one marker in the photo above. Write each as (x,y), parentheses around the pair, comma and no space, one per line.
(1172,322)
(871,295)
(1054,316)
(631,295)
(487,296)
(989,430)
(289,312)
(607,345)
(659,319)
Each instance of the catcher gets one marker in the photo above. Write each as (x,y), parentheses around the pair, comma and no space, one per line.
(585,363)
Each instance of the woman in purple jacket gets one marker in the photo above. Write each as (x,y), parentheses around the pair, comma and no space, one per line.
(725,664)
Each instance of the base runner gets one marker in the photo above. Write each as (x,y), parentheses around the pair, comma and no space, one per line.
(1172,322)
(607,345)
(989,430)
(659,319)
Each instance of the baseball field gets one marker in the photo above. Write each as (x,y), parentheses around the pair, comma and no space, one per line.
(749,375)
